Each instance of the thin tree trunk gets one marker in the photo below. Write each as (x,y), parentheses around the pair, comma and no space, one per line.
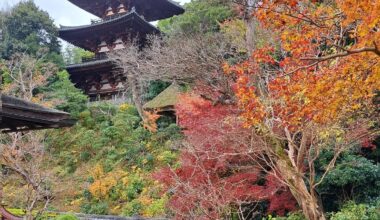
(134,85)
(307,200)
(249,22)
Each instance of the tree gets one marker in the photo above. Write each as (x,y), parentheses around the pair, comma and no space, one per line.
(199,17)
(64,95)
(28,29)
(219,175)
(354,178)
(24,74)
(185,60)
(74,54)
(312,90)
(23,155)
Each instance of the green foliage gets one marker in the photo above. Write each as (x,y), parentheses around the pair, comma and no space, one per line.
(132,208)
(155,88)
(17,212)
(353,178)
(98,208)
(29,29)
(74,54)
(200,17)
(157,208)
(70,99)
(352,211)
(114,138)
(66,217)
(290,216)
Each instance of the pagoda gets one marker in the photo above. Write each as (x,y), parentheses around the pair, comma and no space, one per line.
(120,21)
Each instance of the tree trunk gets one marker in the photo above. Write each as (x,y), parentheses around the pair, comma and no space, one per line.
(249,22)
(133,84)
(306,199)
(28,216)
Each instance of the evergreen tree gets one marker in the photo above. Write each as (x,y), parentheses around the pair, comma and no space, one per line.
(28,29)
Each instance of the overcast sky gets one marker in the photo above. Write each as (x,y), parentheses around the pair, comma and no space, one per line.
(62,11)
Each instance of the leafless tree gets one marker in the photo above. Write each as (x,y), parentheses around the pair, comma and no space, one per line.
(185,59)
(26,73)
(23,154)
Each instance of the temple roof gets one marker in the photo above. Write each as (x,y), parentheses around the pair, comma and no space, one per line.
(89,36)
(167,98)
(17,114)
(152,10)
(91,66)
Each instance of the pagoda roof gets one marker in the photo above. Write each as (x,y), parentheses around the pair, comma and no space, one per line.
(91,67)
(20,115)
(167,98)
(152,10)
(88,36)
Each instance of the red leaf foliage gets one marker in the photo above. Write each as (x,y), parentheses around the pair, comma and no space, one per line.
(219,170)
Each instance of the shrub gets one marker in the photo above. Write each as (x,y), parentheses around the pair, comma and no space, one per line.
(352,211)
(67,217)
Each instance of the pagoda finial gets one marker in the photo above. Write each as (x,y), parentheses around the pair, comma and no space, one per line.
(103,47)
(109,12)
(121,9)
(118,44)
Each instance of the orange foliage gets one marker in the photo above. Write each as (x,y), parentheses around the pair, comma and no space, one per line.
(104,182)
(150,120)
(327,66)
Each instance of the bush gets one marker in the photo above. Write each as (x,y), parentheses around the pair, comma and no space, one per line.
(67,217)
(353,178)
(132,208)
(100,208)
(290,216)
(352,211)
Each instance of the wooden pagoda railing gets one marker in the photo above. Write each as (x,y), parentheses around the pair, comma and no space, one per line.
(98,56)
(108,18)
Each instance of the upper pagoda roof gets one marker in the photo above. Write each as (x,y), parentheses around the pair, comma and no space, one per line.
(89,36)
(152,10)
(17,114)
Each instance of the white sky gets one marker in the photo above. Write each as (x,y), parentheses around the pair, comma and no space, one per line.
(62,11)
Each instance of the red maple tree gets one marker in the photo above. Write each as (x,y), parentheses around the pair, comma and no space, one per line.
(219,172)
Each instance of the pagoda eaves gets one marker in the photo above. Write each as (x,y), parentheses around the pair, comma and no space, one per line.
(122,21)
(99,79)
(152,10)
(89,36)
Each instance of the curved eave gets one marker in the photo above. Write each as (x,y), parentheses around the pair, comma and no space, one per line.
(130,23)
(152,10)
(17,114)
(90,67)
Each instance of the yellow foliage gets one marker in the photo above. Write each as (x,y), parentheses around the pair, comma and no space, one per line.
(124,107)
(104,182)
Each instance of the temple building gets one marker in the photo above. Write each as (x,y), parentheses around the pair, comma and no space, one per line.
(164,103)
(20,115)
(119,21)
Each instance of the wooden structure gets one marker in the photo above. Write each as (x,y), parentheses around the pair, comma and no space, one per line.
(120,21)
(164,103)
(19,115)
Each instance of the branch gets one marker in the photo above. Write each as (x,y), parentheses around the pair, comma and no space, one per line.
(374,50)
